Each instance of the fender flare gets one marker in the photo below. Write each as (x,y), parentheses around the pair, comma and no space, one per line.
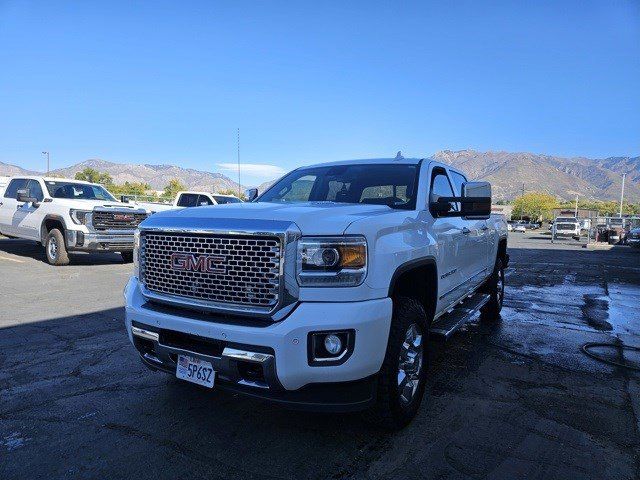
(57,218)
(410,265)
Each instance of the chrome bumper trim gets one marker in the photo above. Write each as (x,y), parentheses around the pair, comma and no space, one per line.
(146,334)
(245,355)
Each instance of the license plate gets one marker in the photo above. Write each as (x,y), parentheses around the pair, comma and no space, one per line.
(195,370)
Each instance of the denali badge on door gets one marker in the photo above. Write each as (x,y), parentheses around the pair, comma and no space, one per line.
(195,370)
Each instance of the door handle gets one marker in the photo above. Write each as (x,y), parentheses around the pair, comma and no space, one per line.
(466,231)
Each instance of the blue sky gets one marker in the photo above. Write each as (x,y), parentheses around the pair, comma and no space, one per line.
(155,82)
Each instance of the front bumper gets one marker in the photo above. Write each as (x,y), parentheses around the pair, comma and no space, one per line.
(283,374)
(99,242)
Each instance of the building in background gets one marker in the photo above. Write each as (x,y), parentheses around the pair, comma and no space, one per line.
(502,210)
(571,212)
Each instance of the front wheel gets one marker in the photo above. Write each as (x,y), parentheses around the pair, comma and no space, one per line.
(402,378)
(56,249)
(495,289)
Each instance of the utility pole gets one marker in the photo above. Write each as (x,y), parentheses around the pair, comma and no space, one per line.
(239,187)
(622,194)
(47,154)
(576,215)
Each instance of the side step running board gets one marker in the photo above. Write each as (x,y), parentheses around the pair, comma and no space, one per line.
(447,324)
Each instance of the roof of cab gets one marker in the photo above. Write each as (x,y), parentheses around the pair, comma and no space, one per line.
(370,161)
(52,179)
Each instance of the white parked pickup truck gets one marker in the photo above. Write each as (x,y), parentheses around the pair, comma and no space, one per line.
(187,199)
(322,292)
(68,215)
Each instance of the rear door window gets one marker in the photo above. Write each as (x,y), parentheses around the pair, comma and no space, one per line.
(35,190)
(188,200)
(204,200)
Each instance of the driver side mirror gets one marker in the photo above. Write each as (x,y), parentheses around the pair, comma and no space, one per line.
(475,202)
(251,194)
(23,196)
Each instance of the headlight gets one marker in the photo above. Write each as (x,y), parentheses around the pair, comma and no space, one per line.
(332,261)
(79,216)
(136,249)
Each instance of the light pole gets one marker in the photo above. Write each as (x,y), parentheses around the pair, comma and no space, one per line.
(239,187)
(47,154)
(576,206)
(622,194)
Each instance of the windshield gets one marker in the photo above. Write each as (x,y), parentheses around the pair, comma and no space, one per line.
(391,185)
(78,191)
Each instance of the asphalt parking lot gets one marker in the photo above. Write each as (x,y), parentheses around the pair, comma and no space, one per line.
(514,399)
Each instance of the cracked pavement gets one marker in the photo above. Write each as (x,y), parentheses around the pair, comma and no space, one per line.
(514,399)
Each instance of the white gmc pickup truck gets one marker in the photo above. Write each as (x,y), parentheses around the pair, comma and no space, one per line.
(320,293)
(67,215)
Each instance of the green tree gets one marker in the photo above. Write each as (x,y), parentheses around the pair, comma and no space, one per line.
(94,176)
(172,189)
(131,188)
(535,205)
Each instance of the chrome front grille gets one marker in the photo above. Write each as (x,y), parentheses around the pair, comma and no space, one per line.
(242,270)
(117,220)
(565,226)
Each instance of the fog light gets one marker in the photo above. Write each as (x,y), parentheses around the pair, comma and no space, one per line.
(330,347)
(333,344)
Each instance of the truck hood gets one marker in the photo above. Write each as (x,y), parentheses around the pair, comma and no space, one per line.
(90,204)
(312,218)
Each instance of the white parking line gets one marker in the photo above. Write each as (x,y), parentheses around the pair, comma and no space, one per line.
(12,259)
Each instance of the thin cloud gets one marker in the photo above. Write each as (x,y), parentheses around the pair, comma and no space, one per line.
(254,169)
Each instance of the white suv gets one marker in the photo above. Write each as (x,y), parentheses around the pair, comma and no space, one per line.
(67,215)
(565,227)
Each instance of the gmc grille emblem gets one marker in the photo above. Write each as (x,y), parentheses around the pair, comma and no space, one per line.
(188,262)
(122,217)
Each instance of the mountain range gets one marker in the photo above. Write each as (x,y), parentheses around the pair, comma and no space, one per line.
(563,177)
(157,176)
(599,179)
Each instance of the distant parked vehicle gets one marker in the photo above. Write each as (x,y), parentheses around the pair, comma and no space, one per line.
(566,227)
(68,215)
(633,238)
(188,199)
(509,227)
(520,228)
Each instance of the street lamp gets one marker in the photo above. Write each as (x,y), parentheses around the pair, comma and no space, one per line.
(622,194)
(47,154)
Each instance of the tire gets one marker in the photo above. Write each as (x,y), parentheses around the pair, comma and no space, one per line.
(394,408)
(495,288)
(127,257)
(55,248)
